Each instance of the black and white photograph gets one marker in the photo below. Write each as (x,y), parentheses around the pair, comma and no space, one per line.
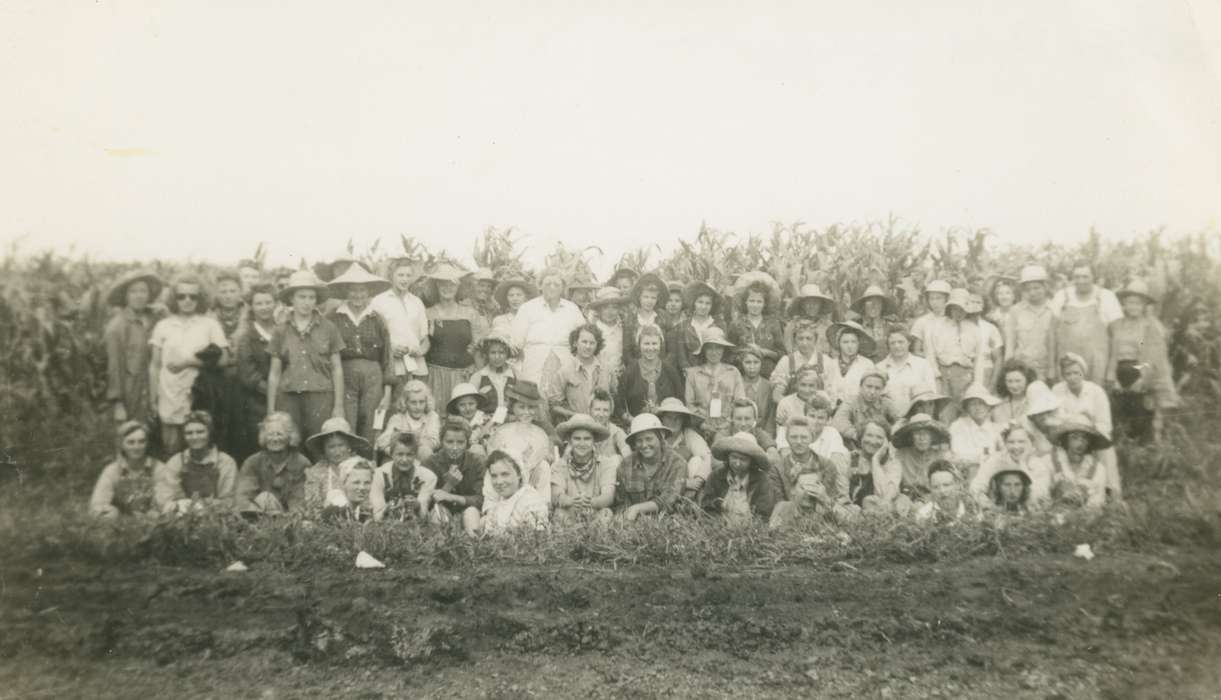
(610,350)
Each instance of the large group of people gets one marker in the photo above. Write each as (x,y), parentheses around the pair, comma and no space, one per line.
(487,402)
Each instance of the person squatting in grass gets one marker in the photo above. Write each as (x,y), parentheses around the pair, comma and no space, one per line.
(583,481)
(198,477)
(514,503)
(460,476)
(402,488)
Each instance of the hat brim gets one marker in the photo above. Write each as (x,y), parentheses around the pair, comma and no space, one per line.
(501,294)
(729,347)
(1098,441)
(663,291)
(888,305)
(989,400)
(362,447)
(903,436)
(600,303)
(663,430)
(696,290)
(117,296)
(510,394)
(341,290)
(695,418)
(286,294)
(565,429)
(939,404)
(724,447)
(1125,293)
(867,343)
(452,404)
(497,339)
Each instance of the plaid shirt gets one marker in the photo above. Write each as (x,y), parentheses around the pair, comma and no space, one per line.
(661,483)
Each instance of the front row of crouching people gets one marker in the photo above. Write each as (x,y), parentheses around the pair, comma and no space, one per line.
(523,472)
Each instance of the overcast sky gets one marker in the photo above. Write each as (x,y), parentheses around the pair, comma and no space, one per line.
(195,129)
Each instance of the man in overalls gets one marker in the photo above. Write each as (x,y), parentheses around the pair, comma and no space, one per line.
(1083,312)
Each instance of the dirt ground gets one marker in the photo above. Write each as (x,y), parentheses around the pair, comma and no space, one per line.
(1122,625)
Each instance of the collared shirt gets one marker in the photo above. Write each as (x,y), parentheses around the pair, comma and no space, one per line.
(844,385)
(1109,308)
(906,378)
(661,482)
(469,487)
(541,332)
(705,383)
(952,342)
(306,356)
(853,414)
(579,382)
(973,442)
(1029,334)
(214,476)
(179,338)
(281,476)
(121,489)
(364,337)
(1092,403)
(599,481)
(407,321)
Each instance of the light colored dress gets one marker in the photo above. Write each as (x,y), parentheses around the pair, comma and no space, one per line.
(179,338)
(843,384)
(541,333)
(526,508)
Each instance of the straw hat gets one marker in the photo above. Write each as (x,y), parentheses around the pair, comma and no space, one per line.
(606,296)
(938,286)
(714,336)
(868,344)
(502,291)
(697,289)
(581,421)
(497,337)
(959,297)
(978,391)
(117,295)
(462,391)
(675,405)
(920,421)
(808,291)
(337,426)
(446,272)
(757,277)
(940,401)
(646,422)
(1033,273)
(1078,424)
(663,290)
(524,391)
(743,444)
(873,291)
(1041,399)
(1139,288)
(357,276)
(622,272)
(303,279)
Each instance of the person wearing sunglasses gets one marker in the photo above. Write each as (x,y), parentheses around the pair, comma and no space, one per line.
(174,365)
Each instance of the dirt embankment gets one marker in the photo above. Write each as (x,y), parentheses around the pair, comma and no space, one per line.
(1049,627)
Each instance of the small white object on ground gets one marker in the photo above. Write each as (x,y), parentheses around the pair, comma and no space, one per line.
(1084,551)
(365,561)
(237,567)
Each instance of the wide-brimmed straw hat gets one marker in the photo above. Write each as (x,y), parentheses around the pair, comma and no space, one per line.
(497,337)
(1041,399)
(873,291)
(697,289)
(938,286)
(978,391)
(1138,288)
(117,295)
(502,291)
(524,391)
(940,401)
(835,330)
(1033,273)
(462,391)
(675,405)
(757,278)
(446,272)
(357,276)
(646,422)
(714,336)
(303,279)
(743,444)
(808,291)
(337,426)
(1075,424)
(920,421)
(652,278)
(607,296)
(581,421)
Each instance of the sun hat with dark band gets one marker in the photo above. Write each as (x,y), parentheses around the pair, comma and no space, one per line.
(502,291)
(940,401)
(337,426)
(809,291)
(921,421)
(357,276)
(303,279)
(117,296)
(676,406)
(581,421)
(868,344)
(1136,288)
(742,444)
(524,391)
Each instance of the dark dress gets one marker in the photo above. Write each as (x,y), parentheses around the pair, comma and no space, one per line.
(769,335)
(253,367)
(634,390)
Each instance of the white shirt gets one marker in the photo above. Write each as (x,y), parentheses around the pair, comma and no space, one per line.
(526,507)
(1092,403)
(973,442)
(829,444)
(844,387)
(540,331)
(1109,308)
(407,321)
(914,375)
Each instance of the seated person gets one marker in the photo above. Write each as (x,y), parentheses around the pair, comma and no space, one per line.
(687,441)
(803,482)
(200,476)
(523,437)
(947,500)
(900,474)
(743,418)
(402,488)
(350,501)
(1079,472)
(1019,456)
(806,355)
(459,474)
(583,481)
(125,486)
(871,404)
(272,480)
(601,408)
(1042,417)
(757,387)
(739,488)
(336,443)
(414,412)
(467,403)
(651,479)
(974,437)
(514,502)
(828,444)
(807,382)
(874,437)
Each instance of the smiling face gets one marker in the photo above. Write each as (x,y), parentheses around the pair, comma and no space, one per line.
(977,410)
(447,290)
(497,355)
(648,298)
(467,405)
(401,278)
(522,412)
(196,436)
(358,297)
(134,445)
(1017,444)
(1133,306)
(335,448)
(263,306)
(648,445)
(1004,295)
(505,479)
(650,347)
(138,295)
(1073,376)
(1015,383)
(357,486)
(276,437)
(228,294)
(807,385)
(304,302)
(600,410)
(755,303)
(624,284)
(187,297)
(582,442)
(872,439)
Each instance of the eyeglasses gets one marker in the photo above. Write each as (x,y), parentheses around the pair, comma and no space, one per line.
(184,297)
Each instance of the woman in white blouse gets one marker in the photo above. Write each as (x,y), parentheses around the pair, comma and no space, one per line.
(541,329)
(515,503)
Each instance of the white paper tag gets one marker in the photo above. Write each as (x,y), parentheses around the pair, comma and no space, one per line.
(714,408)
(501,413)
(379,419)
(782,439)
